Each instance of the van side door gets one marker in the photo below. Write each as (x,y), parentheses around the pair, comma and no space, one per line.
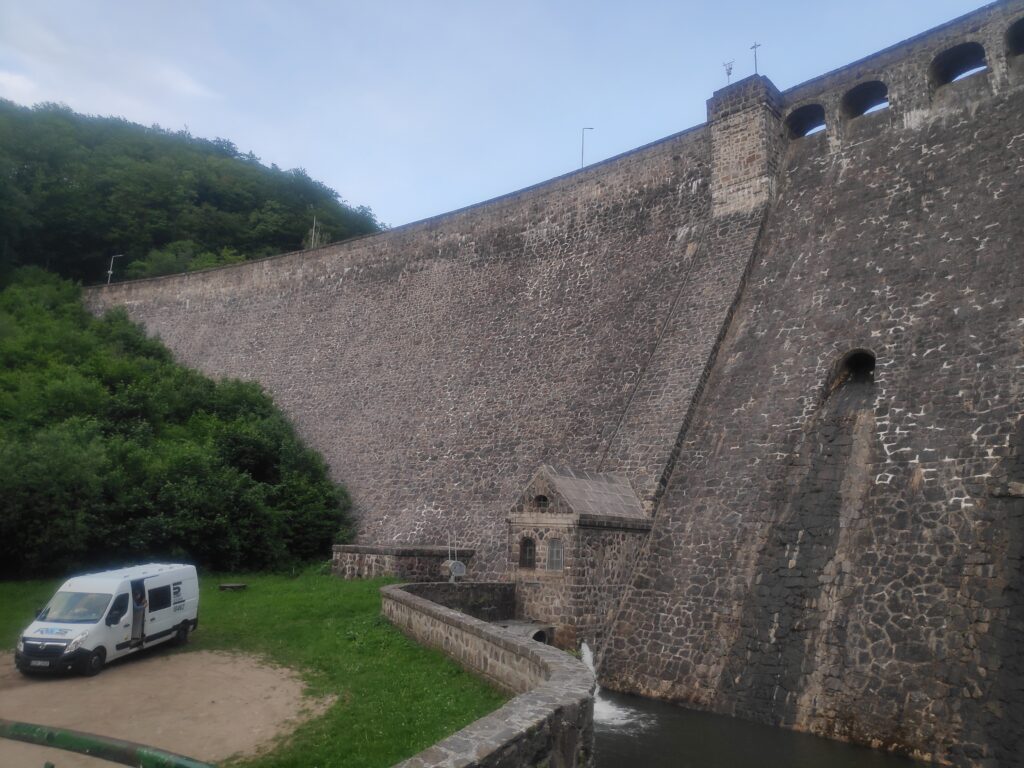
(119,626)
(160,617)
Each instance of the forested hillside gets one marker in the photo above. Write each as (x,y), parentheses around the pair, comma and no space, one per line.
(76,190)
(112,453)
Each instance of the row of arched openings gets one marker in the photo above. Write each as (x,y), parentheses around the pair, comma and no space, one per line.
(952,65)
(528,554)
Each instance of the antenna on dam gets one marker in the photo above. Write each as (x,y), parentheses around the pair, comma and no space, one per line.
(583,138)
(728,70)
(754,48)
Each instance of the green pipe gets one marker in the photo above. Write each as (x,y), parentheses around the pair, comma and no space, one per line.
(113,750)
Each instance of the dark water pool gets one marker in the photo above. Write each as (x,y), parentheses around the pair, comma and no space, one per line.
(633,732)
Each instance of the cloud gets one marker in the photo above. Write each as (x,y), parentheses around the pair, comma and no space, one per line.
(81,61)
(17,87)
(181,82)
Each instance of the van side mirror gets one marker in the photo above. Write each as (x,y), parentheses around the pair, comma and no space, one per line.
(113,618)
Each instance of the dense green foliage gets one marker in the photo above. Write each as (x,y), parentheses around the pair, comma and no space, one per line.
(110,452)
(76,190)
(394,698)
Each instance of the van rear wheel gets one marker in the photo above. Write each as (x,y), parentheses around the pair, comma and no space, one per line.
(94,662)
(181,637)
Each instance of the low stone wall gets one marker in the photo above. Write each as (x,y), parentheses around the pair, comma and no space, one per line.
(487,601)
(550,721)
(410,563)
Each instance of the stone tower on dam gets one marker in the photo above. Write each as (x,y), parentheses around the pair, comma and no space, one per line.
(741,408)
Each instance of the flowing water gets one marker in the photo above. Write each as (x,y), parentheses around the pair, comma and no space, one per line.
(632,731)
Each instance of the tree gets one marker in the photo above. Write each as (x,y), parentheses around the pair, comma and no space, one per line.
(112,452)
(75,189)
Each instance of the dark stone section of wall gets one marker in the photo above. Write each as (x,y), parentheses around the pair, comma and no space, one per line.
(781,616)
(1000,716)
(899,233)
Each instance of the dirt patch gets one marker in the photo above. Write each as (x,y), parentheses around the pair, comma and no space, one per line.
(206,705)
(14,754)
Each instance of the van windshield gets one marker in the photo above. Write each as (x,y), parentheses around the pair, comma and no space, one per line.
(76,608)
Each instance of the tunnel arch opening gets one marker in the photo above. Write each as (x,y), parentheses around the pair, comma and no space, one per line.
(806,120)
(857,365)
(1015,39)
(865,99)
(958,63)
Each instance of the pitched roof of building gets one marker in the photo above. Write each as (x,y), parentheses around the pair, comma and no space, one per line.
(603,494)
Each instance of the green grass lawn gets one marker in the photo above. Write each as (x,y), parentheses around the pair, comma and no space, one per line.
(394,698)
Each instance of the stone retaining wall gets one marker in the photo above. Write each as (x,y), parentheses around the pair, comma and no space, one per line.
(487,601)
(549,722)
(417,563)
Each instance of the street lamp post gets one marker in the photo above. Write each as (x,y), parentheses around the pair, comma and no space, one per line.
(583,138)
(110,272)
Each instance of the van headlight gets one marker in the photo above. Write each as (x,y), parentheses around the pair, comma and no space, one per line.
(75,644)
(21,645)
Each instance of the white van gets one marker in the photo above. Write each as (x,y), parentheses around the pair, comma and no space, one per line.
(99,617)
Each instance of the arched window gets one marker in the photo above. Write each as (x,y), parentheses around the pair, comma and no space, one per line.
(555,555)
(527,553)
(957,63)
(866,98)
(806,120)
(541,502)
(1015,39)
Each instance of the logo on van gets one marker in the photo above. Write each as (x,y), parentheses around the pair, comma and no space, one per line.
(176,591)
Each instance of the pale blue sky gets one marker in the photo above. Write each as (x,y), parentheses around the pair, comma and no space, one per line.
(416,108)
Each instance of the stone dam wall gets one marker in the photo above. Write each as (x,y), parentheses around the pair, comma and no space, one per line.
(805,351)
(437,365)
(849,562)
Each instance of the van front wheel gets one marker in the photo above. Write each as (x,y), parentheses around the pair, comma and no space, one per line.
(181,637)
(94,662)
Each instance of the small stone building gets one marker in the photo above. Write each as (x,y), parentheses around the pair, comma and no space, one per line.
(574,537)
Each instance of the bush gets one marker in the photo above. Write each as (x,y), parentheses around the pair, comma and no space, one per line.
(111,452)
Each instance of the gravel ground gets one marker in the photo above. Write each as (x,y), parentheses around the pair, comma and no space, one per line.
(206,705)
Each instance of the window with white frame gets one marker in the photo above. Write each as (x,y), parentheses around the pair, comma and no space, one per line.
(555,555)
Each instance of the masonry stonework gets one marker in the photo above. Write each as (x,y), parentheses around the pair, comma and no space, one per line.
(409,563)
(828,551)
(549,722)
(574,537)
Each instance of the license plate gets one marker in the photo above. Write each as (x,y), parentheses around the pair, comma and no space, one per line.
(39,663)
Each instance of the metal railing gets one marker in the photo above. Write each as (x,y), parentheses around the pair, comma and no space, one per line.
(112,750)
